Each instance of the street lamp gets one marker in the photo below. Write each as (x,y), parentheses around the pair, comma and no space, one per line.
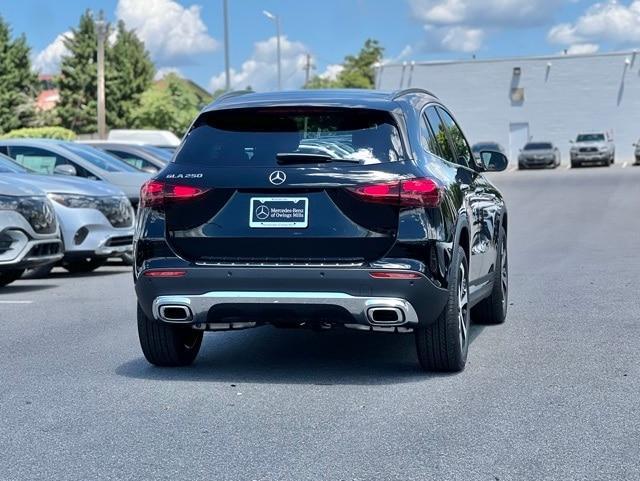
(101,31)
(276,19)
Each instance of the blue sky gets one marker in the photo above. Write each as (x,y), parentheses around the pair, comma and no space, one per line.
(186,35)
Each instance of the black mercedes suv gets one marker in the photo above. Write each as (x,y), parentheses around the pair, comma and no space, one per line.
(322,209)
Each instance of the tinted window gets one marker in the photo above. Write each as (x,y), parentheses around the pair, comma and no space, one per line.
(42,161)
(590,138)
(162,154)
(428,139)
(538,146)
(440,132)
(457,137)
(100,159)
(133,160)
(255,136)
(7,166)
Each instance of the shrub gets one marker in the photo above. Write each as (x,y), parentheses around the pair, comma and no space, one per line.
(58,133)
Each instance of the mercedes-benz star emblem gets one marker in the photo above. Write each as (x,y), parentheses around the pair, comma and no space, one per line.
(262,212)
(277,177)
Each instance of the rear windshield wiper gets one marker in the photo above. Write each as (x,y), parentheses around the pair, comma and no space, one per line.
(287,158)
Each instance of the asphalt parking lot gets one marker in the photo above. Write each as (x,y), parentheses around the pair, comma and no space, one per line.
(553,394)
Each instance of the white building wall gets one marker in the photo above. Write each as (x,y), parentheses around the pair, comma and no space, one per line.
(563,95)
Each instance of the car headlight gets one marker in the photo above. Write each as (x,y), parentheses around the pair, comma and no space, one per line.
(574,150)
(603,149)
(8,203)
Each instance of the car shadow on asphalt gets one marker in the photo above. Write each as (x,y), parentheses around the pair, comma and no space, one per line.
(18,288)
(270,355)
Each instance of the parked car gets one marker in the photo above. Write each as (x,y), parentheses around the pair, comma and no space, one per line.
(159,138)
(72,159)
(596,147)
(486,146)
(147,158)
(539,154)
(95,218)
(243,229)
(637,152)
(29,234)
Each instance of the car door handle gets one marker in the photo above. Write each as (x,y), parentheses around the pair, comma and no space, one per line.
(464,187)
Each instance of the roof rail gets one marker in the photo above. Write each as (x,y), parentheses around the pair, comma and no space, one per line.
(412,90)
(231,94)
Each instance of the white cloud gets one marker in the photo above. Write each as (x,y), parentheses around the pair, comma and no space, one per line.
(453,39)
(583,48)
(48,60)
(607,21)
(171,32)
(485,13)
(331,72)
(260,71)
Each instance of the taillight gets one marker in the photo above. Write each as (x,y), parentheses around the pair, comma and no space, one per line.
(422,192)
(155,193)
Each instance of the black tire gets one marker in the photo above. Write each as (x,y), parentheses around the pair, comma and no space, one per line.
(7,277)
(575,165)
(127,259)
(39,272)
(167,345)
(443,345)
(493,309)
(83,266)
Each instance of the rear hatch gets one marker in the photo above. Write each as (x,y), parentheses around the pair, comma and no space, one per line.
(286,185)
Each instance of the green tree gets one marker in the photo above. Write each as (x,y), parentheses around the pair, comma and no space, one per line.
(169,105)
(358,71)
(129,73)
(18,84)
(78,78)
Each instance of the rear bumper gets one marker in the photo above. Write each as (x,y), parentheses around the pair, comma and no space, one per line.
(349,296)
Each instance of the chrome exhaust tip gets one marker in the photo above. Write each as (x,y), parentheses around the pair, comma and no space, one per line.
(386,316)
(175,313)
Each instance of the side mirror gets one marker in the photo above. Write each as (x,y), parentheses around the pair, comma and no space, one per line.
(493,161)
(65,169)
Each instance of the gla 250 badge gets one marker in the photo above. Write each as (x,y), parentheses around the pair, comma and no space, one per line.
(184,176)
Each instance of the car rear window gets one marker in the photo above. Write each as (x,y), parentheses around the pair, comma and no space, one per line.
(254,137)
(538,146)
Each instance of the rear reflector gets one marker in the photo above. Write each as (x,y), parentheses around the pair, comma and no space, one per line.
(421,192)
(394,275)
(155,193)
(163,273)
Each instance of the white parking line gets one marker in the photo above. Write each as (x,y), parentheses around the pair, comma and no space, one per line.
(567,167)
(624,165)
(512,168)
(16,302)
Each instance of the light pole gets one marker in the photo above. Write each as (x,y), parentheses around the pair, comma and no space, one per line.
(227,75)
(101,31)
(276,19)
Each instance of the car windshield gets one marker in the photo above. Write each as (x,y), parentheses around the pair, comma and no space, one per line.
(590,138)
(7,166)
(255,137)
(538,146)
(100,159)
(488,146)
(160,153)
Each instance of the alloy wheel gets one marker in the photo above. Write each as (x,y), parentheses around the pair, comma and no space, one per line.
(463,308)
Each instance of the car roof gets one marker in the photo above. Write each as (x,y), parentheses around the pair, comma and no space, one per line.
(364,98)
